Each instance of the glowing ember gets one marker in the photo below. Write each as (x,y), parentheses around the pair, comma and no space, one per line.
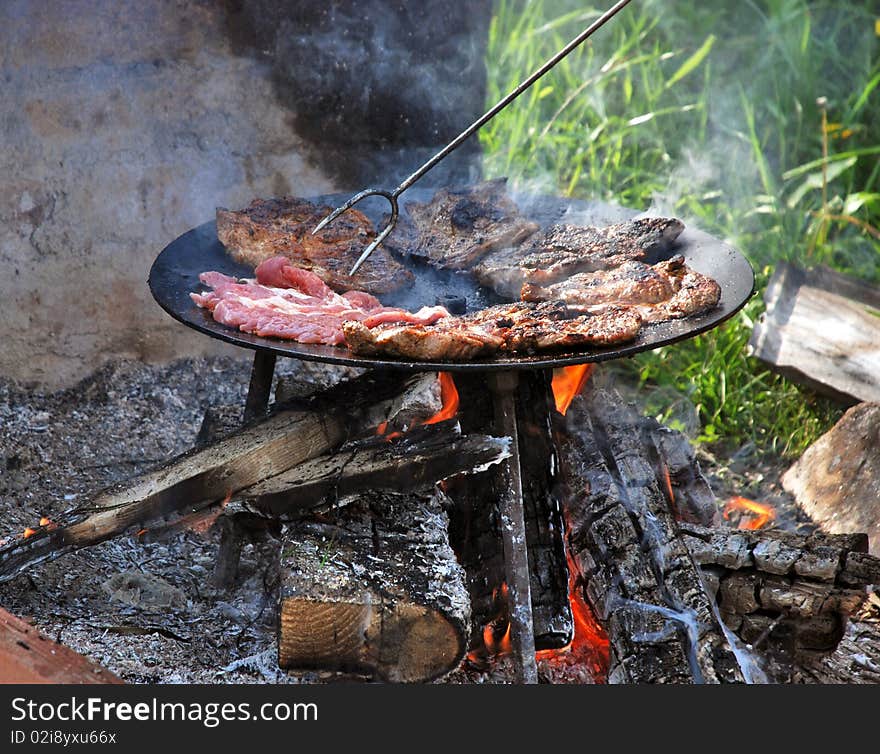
(667,481)
(29,532)
(496,633)
(448,407)
(753,515)
(202,521)
(567,383)
(590,645)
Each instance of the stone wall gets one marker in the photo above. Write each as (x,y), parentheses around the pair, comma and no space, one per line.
(124,124)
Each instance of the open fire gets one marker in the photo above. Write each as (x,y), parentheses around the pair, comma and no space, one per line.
(567,383)
(589,646)
(449,400)
(749,514)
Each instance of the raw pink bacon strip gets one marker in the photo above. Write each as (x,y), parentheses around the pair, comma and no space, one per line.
(292,303)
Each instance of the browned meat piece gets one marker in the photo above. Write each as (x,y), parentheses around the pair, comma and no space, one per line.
(666,290)
(521,327)
(564,250)
(458,227)
(421,342)
(272,227)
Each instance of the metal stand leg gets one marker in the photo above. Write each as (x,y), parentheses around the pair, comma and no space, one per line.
(231,533)
(261,385)
(229,554)
(513,529)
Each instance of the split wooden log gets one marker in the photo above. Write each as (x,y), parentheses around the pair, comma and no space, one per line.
(837,479)
(26,656)
(475,525)
(636,571)
(376,590)
(771,584)
(258,451)
(821,328)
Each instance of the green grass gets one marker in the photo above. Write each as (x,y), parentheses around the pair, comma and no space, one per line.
(709,112)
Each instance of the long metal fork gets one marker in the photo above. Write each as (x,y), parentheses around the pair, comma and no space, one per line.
(392,196)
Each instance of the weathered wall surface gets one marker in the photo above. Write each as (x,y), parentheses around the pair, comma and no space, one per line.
(126,123)
(123,125)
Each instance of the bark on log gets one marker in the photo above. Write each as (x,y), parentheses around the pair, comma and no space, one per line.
(377,590)
(26,656)
(840,358)
(256,452)
(774,585)
(475,528)
(690,496)
(637,572)
(856,659)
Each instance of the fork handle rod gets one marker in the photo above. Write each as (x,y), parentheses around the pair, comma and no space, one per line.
(501,104)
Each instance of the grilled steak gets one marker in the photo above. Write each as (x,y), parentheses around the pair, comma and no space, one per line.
(564,250)
(666,290)
(458,227)
(521,327)
(268,227)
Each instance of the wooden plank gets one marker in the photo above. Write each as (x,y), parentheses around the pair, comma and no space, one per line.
(822,329)
(26,656)
(475,528)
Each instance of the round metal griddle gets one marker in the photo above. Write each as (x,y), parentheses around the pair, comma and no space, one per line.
(175,274)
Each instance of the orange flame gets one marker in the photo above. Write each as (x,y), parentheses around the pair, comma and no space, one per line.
(448,407)
(496,633)
(45,523)
(567,383)
(203,521)
(667,481)
(590,644)
(754,515)
(448,399)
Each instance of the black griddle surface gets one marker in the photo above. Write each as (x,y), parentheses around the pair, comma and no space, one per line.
(175,274)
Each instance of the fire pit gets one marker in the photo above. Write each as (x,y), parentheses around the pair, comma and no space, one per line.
(600,521)
(176,272)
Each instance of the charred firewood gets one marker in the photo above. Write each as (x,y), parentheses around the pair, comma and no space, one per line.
(258,451)
(773,586)
(636,571)
(376,588)
(409,462)
(475,529)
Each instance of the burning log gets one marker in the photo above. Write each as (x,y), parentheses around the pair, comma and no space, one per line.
(773,584)
(475,522)
(26,656)
(258,451)
(635,569)
(376,590)
(413,461)
(840,358)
